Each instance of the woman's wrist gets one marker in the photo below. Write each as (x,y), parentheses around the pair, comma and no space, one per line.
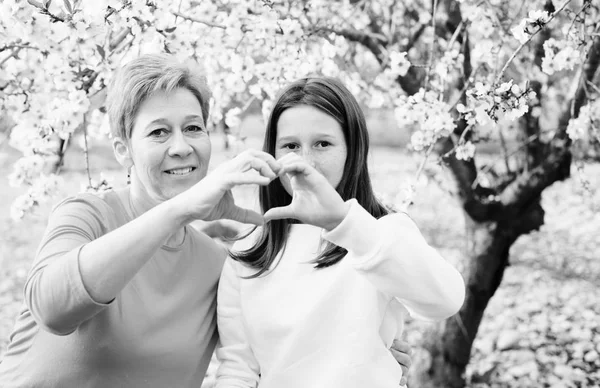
(176,212)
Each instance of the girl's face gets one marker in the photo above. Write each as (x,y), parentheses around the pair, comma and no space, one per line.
(169,147)
(316,137)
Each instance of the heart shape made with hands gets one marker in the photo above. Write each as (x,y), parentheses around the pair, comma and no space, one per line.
(314,200)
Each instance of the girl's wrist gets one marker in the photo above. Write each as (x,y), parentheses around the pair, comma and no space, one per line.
(339,216)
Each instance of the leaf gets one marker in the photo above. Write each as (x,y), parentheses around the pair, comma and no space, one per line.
(68,6)
(47,3)
(36,4)
(101,51)
(170,29)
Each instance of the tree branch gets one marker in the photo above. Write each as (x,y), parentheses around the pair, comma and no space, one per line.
(556,166)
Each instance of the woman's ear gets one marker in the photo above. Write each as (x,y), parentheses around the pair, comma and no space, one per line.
(122,152)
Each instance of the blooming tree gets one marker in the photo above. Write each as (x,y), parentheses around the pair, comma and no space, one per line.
(458,73)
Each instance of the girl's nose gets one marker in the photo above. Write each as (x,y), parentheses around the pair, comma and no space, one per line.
(309,157)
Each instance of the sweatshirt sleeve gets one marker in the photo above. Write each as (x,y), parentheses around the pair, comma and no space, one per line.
(238,366)
(394,256)
(54,290)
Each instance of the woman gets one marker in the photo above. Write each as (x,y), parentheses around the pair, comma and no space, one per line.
(122,292)
(317,302)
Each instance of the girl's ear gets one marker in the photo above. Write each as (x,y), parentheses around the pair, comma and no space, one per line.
(122,152)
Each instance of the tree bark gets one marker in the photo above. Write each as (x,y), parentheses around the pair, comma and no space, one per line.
(492,229)
(447,346)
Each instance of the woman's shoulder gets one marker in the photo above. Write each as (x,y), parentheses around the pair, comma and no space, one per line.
(102,207)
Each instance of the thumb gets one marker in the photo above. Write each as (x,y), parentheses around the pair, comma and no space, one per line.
(278,213)
(245,216)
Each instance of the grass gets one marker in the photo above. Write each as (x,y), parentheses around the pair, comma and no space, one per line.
(552,269)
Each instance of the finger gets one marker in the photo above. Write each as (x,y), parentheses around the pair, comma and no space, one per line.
(295,167)
(245,216)
(249,178)
(403,381)
(262,167)
(279,213)
(270,160)
(401,346)
(402,358)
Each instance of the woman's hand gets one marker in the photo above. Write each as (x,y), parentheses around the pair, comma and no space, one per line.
(401,352)
(211,198)
(314,200)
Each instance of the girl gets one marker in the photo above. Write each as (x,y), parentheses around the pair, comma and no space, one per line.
(316,298)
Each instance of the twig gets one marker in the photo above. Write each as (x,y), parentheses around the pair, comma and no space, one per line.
(11,55)
(464,89)
(504,150)
(486,169)
(432,48)
(518,50)
(200,21)
(586,4)
(422,165)
(86,153)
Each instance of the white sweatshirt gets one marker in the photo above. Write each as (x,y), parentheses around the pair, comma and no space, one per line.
(302,327)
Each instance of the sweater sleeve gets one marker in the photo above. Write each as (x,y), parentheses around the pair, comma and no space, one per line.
(238,366)
(394,256)
(54,290)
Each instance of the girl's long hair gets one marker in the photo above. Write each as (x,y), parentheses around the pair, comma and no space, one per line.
(332,97)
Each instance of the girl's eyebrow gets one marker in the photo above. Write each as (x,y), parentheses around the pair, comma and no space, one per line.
(317,135)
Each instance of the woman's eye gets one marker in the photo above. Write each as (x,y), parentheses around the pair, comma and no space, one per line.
(194,128)
(323,143)
(158,132)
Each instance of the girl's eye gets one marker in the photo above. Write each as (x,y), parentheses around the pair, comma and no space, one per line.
(158,132)
(194,128)
(323,143)
(290,146)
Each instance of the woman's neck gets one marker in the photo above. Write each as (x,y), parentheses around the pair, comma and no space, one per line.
(140,202)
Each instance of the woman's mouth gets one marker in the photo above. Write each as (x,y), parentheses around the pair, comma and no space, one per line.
(180,171)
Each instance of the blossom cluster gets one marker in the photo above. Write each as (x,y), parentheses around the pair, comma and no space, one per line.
(487,104)
(586,123)
(530,25)
(427,115)
(560,55)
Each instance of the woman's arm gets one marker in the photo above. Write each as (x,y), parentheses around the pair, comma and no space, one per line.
(79,269)
(238,368)
(394,256)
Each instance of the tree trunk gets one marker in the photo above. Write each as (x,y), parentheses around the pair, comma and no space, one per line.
(447,346)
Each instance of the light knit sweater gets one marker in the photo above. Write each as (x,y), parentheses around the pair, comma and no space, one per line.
(160,331)
(298,326)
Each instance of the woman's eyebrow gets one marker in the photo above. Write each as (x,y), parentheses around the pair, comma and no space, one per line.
(193,117)
(157,121)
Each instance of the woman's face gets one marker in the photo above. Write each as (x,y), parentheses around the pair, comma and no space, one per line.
(169,146)
(315,136)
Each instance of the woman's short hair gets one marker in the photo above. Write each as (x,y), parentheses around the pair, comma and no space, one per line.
(331,97)
(140,78)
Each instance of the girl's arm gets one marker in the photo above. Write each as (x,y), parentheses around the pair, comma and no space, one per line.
(394,256)
(238,367)
(390,252)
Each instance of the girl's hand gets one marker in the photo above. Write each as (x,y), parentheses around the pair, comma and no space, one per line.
(314,200)
(211,198)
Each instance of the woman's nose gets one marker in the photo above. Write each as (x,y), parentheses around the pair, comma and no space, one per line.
(179,145)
